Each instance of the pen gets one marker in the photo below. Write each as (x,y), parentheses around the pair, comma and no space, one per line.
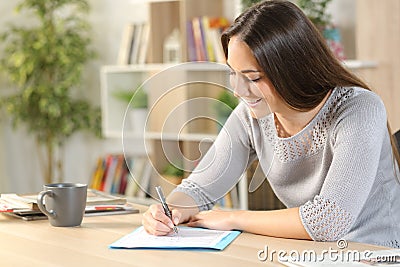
(167,211)
(108,208)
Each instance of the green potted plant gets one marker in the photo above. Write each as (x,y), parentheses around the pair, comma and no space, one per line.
(136,99)
(224,106)
(45,61)
(248,3)
(316,11)
(137,102)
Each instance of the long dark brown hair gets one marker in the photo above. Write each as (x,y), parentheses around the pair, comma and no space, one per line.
(293,54)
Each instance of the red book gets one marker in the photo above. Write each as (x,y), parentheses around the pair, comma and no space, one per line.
(109,160)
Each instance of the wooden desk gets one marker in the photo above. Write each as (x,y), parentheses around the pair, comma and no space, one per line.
(36,243)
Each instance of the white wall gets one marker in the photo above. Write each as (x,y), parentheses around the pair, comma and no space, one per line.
(19,167)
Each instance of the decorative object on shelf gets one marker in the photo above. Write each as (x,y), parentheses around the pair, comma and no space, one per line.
(316,11)
(172,48)
(173,174)
(224,106)
(137,102)
(45,61)
(333,37)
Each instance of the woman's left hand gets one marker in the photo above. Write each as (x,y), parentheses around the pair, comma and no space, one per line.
(213,219)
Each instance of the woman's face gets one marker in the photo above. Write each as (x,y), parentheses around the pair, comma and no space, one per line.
(249,82)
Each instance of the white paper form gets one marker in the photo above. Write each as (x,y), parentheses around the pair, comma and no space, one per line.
(187,237)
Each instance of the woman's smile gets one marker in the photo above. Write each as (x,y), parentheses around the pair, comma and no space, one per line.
(252,102)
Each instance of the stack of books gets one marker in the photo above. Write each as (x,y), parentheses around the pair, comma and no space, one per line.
(134,44)
(203,38)
(25,206)
(119,175)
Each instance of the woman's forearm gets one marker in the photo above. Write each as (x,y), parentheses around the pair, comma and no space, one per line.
(285,223)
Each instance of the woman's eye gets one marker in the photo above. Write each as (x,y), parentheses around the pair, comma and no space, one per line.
(255,80)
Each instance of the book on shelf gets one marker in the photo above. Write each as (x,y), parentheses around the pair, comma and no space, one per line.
(203,38)
(107,183)
(98,173)
(215,36)
(105,166)
(206,34)
(145,180)
(126,43)
(191,47)
(136,166)
(144,44)
(117,177)
(136,40)
(198,40)
(134,43)
(128,176)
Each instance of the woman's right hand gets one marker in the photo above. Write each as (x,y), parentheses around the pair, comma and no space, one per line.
(155,221)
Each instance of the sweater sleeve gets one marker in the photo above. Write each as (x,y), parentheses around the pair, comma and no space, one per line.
(221,167)
(356,140)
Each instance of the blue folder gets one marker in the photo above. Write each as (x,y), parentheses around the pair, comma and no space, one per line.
(127,241)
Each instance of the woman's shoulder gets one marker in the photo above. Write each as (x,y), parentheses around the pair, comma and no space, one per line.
(357,106)
(359,99)
(371,97)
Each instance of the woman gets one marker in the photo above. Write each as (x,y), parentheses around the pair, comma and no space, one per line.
(319,133)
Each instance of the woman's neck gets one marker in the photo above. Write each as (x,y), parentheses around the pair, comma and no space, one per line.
(290,122)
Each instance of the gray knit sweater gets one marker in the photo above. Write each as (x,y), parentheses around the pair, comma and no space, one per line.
(338,169)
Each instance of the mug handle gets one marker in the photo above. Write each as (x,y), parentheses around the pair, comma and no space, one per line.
(42,207)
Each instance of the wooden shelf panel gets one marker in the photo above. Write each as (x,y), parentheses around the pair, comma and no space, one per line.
(354,64)
(157,67)
(181,137)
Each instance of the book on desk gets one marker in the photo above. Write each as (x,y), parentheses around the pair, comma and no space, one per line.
(98,203)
